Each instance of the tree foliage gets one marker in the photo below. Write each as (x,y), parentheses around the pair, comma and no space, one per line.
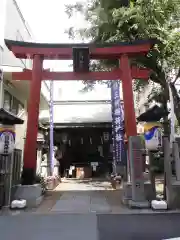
(143,19)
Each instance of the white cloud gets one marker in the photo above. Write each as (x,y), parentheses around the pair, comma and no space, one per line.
(48,20)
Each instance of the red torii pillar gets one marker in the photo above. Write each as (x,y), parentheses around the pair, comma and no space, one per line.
(30,153)
(38,53)
(129,112)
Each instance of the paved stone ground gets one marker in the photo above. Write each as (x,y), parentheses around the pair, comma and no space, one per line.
(87,196)
(73,196)
(76,196)
(50,226)
(84,210)
(89,227)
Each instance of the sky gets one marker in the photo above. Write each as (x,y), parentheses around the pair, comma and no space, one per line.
(48,21)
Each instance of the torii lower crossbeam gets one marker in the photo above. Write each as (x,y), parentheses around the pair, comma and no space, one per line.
(116,74)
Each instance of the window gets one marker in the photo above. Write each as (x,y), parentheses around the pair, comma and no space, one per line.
(20,107)
(7,101)
(15,106)
(11,104)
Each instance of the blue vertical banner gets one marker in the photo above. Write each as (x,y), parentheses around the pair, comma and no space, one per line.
(117,126)
(51,113)
(113,132)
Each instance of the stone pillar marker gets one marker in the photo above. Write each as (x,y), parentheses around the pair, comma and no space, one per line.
(176,159)
(136,169)
(168,171)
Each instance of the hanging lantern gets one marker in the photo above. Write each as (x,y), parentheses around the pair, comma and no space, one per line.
(90,140)
(81,140)
(106,136)
(64,138)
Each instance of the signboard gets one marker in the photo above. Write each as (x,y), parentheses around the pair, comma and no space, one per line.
(7,141)
(136,168)
(117,125)
(94,164)
(81,59)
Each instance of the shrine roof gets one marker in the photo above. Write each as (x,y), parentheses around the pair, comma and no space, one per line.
(79,113)
(153,114)
(9,118)
(63,51)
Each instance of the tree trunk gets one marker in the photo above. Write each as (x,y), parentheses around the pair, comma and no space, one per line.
(176,99)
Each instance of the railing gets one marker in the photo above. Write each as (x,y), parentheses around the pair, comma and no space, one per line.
(10,175)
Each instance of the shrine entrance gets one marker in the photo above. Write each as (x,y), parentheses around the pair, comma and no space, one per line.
(81,54)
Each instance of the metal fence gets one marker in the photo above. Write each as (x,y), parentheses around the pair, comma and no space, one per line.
(10,175)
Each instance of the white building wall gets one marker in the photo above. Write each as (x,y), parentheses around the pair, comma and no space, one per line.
(16,28)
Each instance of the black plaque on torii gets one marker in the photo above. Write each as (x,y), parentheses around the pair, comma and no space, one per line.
(81,59)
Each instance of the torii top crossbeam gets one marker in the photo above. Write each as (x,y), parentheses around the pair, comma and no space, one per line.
(64,51)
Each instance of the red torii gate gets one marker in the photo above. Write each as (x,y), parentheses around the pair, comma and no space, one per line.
(39,52)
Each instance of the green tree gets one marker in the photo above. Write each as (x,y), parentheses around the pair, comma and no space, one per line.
(142,19)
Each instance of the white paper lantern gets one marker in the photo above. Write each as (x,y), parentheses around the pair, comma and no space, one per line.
(153,138)
(7,142)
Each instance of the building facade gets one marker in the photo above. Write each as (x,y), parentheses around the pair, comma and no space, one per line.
(14,94)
